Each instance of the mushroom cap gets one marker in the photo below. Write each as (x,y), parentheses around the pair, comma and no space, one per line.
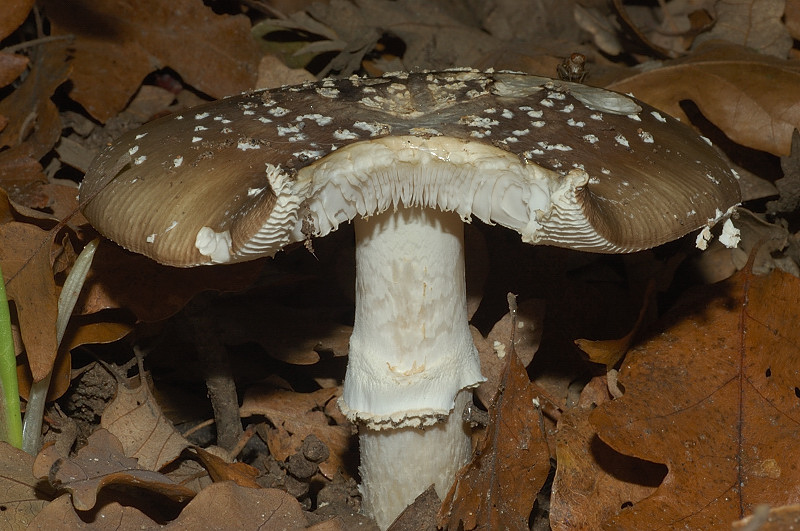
(564,164)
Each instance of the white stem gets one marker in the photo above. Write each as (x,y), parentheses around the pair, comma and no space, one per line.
(411,353)
(397,465)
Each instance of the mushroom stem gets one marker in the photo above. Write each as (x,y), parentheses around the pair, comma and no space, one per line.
(398,465)
(411,353)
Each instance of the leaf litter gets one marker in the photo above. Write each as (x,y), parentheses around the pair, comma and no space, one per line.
(703,423)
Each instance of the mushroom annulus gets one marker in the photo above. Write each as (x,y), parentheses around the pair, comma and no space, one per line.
(408,158)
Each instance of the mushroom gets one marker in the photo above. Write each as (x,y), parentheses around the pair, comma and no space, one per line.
(408,158)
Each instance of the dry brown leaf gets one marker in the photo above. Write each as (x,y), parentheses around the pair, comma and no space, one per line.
(33,118)
(593,481)
(136,420)
(715,397)
(222,505)
(765,518)
(101,463)
(434,33)
(610,351)
(494,348)
(60,514)
(751,97)
(12,14)
(241,473)
(756,24)
(294,416)
(121,279)
(497,489)
(118,43)
(792,17)
(23,496)
(11,66)
(25,260)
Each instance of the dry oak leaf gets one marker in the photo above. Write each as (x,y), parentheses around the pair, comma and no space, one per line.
(765,518)
(227,505)
(294,416)
(714,396)
(34,124)
(11,66)
(22,496)
(101,463)
(751,97)
(12,14)
(592,480)
(60,514)
(756,24)
(25,259)
(122,279)
(117,43)
(497,489)
(135,418)
(220,470)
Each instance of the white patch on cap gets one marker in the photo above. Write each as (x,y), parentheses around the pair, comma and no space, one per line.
(634,117)
(196,139)
(171,226)
(344,134)
(151,238)
(215,245)
(658,116)
(507,114)
(327,92)
(374,128)
(278,111)
(248,143)
(646,137)
(177,161)
(139,160)
(536,114)
(321,120)
(731,236)
(200,128)
(200,116)
(477,121)
(592,139)
(621,140)
(133,150)
(703,238)
(140,136)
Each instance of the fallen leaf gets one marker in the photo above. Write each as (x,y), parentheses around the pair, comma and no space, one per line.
(497,489)
(240,473)
(756,24)
(751,97)
(765,518)
(118,43)
(222,505)
(23,495)
(121,279)
(496,346)
(60,514)
(101,463)
(714,396)
(12,14)
(11,66)
(34,123)
(145,433)
(593,481)
(25,260)
(294,416)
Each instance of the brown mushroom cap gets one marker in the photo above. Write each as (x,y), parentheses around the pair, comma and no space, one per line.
(631,177)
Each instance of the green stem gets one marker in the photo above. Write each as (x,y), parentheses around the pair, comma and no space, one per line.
(10,417)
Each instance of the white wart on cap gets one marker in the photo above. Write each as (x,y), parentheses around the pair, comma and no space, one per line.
(561,163)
